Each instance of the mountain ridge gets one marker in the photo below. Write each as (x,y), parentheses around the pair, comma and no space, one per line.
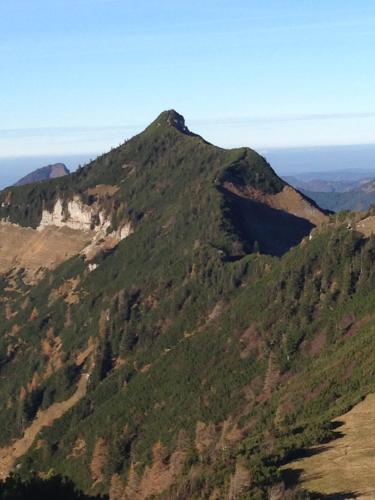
(244,165)
(207,331)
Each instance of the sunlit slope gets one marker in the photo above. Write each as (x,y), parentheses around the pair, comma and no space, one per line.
(346,464)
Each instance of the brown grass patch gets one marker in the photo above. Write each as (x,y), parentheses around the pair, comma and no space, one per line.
(22,247)
(103,190)
(252,342)
(67,291)
(158,477)
(78,449)
(347,463)
(99,461)
(318,343)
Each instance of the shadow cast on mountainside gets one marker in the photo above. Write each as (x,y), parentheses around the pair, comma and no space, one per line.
(301,453)
(292,478)
(37,488)
(275,231)
(306,453)
(342,495)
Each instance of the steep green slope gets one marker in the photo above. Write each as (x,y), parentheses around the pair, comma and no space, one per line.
(289,350)
(200,345)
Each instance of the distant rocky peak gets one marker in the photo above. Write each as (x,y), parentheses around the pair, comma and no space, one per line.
(58,170)
(44,173)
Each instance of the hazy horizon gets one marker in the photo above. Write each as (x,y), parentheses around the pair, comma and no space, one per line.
(82,75)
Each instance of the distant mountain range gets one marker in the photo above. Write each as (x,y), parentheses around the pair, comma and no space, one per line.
(336,202)
(321,185)
(44,173)
(337,190)
(345,162)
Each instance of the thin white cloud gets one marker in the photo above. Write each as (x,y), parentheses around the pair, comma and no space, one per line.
(57,131)
(313,129)
(249,120)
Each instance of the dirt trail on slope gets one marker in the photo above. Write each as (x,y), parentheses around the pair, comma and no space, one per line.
(347,464)
(44,418)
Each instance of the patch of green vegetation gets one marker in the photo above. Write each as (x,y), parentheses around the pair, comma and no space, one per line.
(251,169)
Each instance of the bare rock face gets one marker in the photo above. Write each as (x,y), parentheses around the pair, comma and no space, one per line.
(71,228)
(76,216)
(44,173)
(173,119)
(77,219)
(87,219)
(176,120)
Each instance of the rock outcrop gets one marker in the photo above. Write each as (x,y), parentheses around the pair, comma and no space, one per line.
(75,228)
(86,218)
(76,215)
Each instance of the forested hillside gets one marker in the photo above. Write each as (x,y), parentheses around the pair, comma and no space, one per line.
(202,348)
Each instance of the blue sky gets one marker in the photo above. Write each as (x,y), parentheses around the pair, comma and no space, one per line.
(79,76)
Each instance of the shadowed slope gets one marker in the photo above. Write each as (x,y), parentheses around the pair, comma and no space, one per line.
(266,229)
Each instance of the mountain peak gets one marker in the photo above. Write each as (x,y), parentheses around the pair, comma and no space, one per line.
(44,173)
(172,119)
